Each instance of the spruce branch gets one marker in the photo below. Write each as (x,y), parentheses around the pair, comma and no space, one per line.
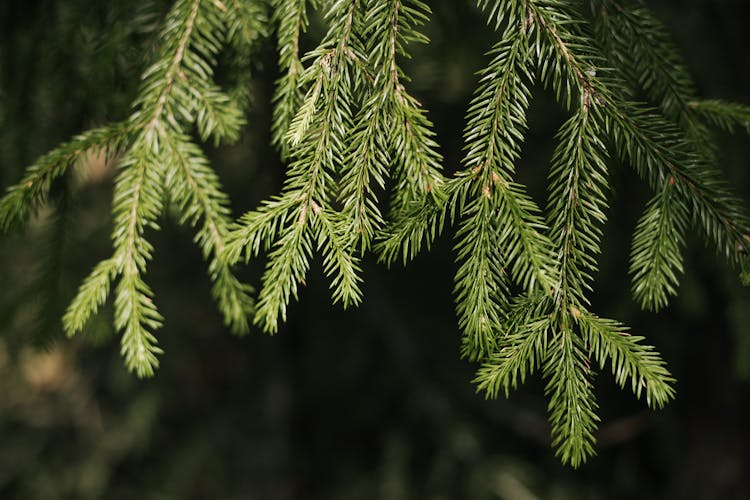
(137,318)
(713,208)
(139,193)
(418,226)
(572,405)
(339,265)
(630,360)
(638,45)
(393,135)
(656,255)
(561,331)
(495,129)
(290,17)
(349,129)
(318,136)
(722,114)
(418,170)
(657,149)
(161,162)
(92,294)
(286,268)
(367,165)
(32,190)
(519,350)
(137,204)
(651,62)
(501,230)
(217,115)
(194,186)
(481,285)
(161,78)
(577,201)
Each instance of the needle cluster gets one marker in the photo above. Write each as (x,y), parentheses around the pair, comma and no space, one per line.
(351,134)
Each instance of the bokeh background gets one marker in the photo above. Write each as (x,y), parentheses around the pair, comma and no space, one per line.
(372,403)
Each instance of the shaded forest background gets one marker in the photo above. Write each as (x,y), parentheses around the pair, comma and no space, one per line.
(372,403)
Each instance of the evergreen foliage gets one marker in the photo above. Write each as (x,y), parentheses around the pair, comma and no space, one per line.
(350,131)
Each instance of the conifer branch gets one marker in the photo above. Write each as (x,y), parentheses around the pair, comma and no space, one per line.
(481,285)
(290,16)
(651,61)
(286,268)
(521,348)
(339,264)
(367,165)
(652,145)
(572,405)
(137,204)
(718,213)
(576,209)
(137,318)
(32,190)
(656,256)
(503,228)
(419,194)
(139,193)
(160,78)
(350,130)
(639,47)
(722,114)
(418,163)
(493,134)
(390,128)
(577,200)
(162,162)
(318,135)
(369,158)
(630,360)
(194,186)
(419,225)
(92,294)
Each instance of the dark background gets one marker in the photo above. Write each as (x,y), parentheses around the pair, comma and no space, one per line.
(361,404)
